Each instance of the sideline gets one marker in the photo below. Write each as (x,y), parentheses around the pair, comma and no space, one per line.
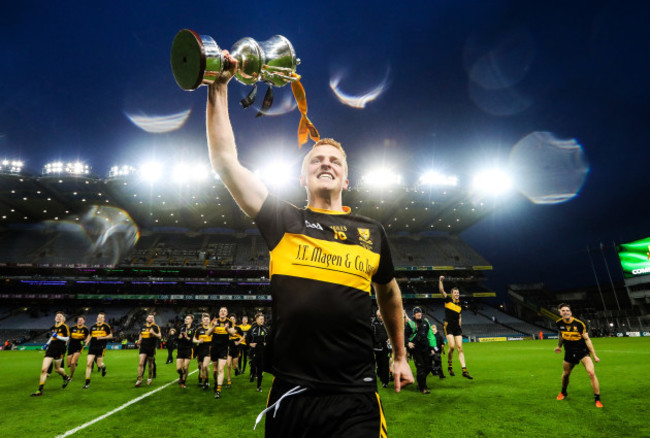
(125,405)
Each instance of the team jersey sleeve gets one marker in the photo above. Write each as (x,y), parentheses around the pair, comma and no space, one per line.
(386,270)
(275,218)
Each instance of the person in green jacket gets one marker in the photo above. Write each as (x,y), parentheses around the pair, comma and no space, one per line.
(421,341)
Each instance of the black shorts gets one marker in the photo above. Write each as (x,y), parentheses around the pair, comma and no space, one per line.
(202,351)
(96,350)
(184,353)
(574,357)
(218,352)
(233,349)
(150,351)
(452,328)
(74,348)
(314,414)
(56,351)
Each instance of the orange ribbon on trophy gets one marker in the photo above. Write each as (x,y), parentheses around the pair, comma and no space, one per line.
(306,128)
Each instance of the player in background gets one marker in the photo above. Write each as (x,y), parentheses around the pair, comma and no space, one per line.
(147,341)
(572,333)
(78,334)
(257,339)
(185,352)
(243,345)
(202,340)
(453,330)
(100,333)
(55,351)
(220,329)
(234,341)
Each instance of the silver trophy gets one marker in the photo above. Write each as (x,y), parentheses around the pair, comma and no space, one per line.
(197,60)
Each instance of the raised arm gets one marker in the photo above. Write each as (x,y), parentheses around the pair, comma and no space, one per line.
(389,299)
(246,189)
(441,287)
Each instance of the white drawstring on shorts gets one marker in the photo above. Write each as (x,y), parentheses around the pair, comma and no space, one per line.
(293,391)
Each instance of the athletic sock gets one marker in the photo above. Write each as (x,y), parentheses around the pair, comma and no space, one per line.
(219,388)
(87,381)
(596,397)
(464,369)
(40,387)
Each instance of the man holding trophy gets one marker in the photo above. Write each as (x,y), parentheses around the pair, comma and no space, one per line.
(324,266)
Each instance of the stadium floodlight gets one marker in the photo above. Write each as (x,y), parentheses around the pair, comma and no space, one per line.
(189,173)
(151,171)
(492,182)
(277,174)
(77,168)
(433,178)
(121,171)
(11,166)
(53,168)
(381,178)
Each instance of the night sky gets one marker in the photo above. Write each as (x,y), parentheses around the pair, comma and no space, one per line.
(462,82)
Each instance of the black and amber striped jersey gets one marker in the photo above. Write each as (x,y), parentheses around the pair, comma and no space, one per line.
(220,334)
(200,334)
(183,342)
(99,330)
(322,265)
(148,338)
(77,334)
(452,310)
(61,330)
(571,334)
(239,334)
(244,329)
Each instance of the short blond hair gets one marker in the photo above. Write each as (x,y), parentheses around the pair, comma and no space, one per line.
(326,142)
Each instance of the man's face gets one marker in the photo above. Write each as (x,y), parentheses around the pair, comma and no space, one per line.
(260,320)
(417,316)
(223,313)
(150,319)
(233,319)
(565,312)
(434,329)
(455,294)
(59,318)
(244,320)
(205,320)
(324,168)
(81,321)
(188,320)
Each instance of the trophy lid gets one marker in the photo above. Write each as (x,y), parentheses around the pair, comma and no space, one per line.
(195,59)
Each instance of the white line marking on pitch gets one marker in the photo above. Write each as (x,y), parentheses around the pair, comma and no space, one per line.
(125,405)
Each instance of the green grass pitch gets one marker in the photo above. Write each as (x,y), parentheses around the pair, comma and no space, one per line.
(512,394)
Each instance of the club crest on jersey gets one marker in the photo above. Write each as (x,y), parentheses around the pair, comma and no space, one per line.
(315,226)
(364,237)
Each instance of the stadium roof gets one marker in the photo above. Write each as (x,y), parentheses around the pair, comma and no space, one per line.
(208,207)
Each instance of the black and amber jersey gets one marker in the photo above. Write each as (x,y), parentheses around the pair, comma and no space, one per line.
(452,310)
(244,329)
(571,334)
(61,330)
(183,342)
(239,334)
(149,340)
(220,334)
(99,330)
(322,265)
(200,334)
(78,333)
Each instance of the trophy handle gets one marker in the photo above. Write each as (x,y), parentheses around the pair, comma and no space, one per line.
(196,60)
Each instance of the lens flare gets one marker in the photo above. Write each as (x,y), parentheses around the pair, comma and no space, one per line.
(359,101)
(102,235)
(159,124)
(548,170)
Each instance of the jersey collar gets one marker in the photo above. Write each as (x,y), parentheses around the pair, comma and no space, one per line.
(346,210)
